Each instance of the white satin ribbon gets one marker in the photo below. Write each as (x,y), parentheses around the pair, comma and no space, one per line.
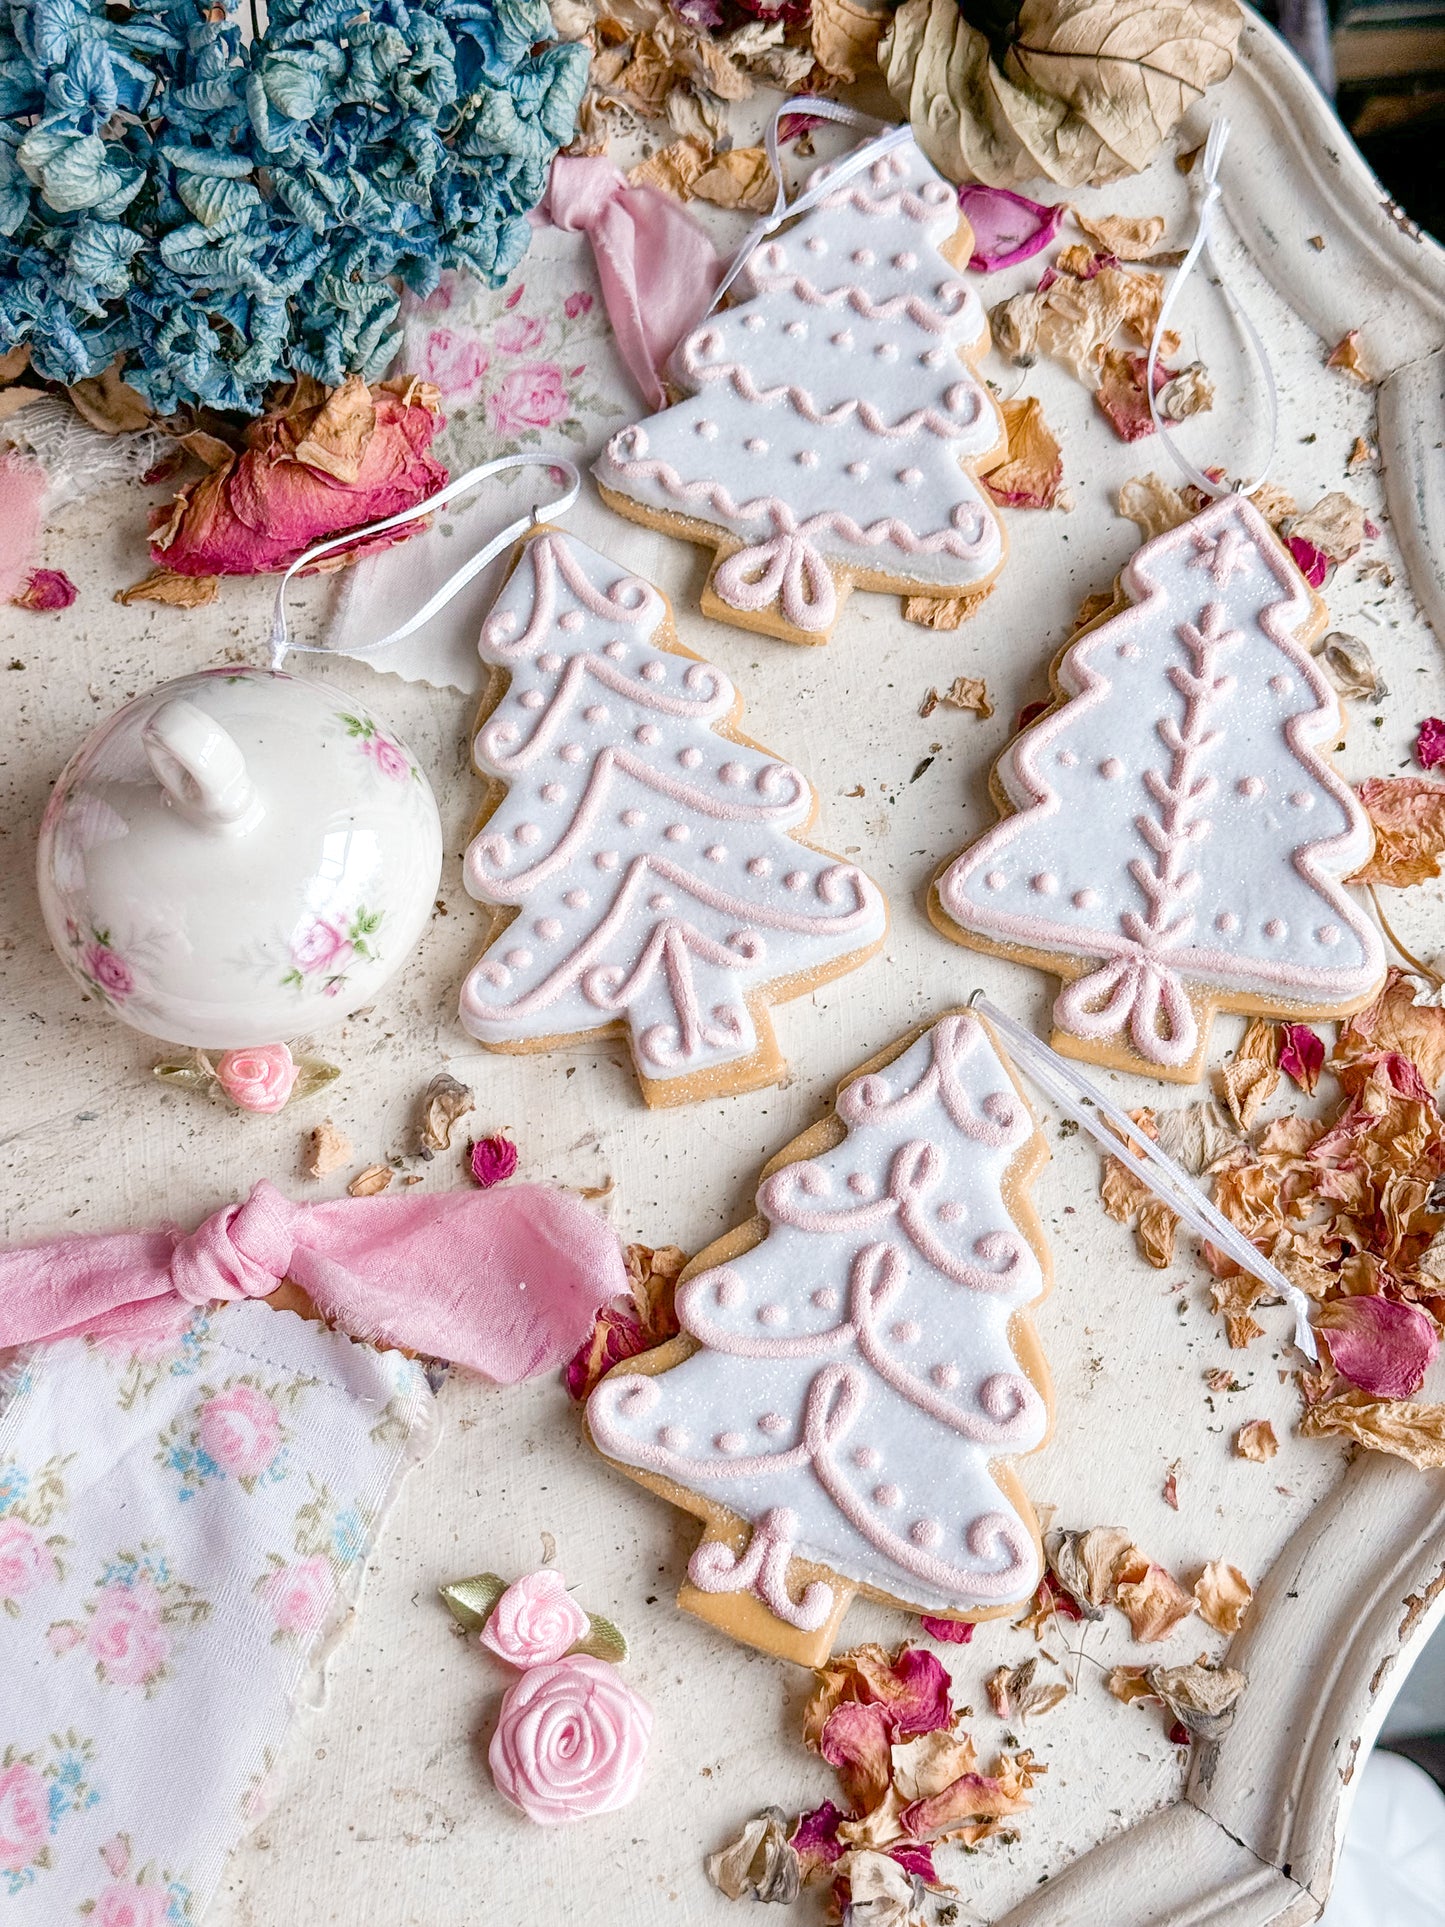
(1213,154)
(473,566)
(1083,1101)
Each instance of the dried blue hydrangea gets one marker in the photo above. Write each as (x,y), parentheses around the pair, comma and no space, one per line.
(228,214)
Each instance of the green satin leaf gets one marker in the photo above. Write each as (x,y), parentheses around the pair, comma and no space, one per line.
(470,1601)
(603,1640)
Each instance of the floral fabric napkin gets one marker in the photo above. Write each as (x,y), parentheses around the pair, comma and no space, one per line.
(180,1530)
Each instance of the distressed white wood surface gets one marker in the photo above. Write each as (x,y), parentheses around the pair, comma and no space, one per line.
(387,1816)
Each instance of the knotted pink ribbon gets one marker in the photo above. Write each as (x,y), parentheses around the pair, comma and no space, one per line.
(506,1282)
(656,265)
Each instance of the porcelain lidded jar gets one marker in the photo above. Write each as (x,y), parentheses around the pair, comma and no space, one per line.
(239,857)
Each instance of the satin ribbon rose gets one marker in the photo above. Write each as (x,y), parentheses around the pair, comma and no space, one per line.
(258,1079)
(535,1621)
(571,1741)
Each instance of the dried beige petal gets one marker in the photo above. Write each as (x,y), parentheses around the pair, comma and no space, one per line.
(340,434)
(1350,666)
(1346,357)
(1201,1697)
(327,1149)
(1398,1426)
(1031,471)
(1127,1683)
(880,1892)
(367,1183)
(443,1102)
(109,403)
(941,612)
(1396,1022)
(1190,392)
(1251,1078)
(1126,237)
(759,1864)
(1154,505)
(1408,816)
(1256,1441)
(1335,526)
(697,115)
(1013,1693)
(1361,455)
(970,693)
(933,1761)
(1196,1135)
(1242,1329)
(1155,1233)
(1120,1192)
(172,590)
(743,178)
(845,36)
(1085,1564)
(1224,1594)
(1154,1604)
(674,168)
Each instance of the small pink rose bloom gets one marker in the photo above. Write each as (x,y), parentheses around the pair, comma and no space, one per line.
(535,1621)
(132,1907)
(241,1431)
(258,1079)
(532,395)
(494,1159)
(24,1816)
(571,1741)
(575,304)
(25,1559)
(319,946)
(111,972)
(126,1636)
(455,362)
(300,1596)
(519,334)
(388,758)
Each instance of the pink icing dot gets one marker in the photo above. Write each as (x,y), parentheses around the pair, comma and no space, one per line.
(1128,652)
(632,817)
(647,733)
(772,1422)
(653,671)
(571,621)
(996,879)
(728,1289)
(607,859)
(772,1315)
(577,899)
(755,445)
(659,900)
(707,429)
(863,257)
(1280,685)
(887,1495)
(910,477)
(1111,769)
(1226,922)
(1301,799)
(866,1458)
(858,470)
(595,713)
(1275,928)
(499,627)
(616,650)
(552,792)
(945,1377)
(825,1298)
(531,699)
(795,329)
(689,757)
(843,338)
(733,774)
(907,1331)
(548,929)
(519,959)
(807,458)
(673,1437)
(760,866)
(887,351)
(1085,899)
(529,833)
(905,262)
(496,973)
(752,322)
(933,357)
(549,662)
(815,244)
(715,853)
(730,1442)
(1250,786)
(952,1212)
(795,880)
(861,1185)
(570,752)
(1045,883)
(1067,758)
(925,1532)
(677,832)
(1328,933)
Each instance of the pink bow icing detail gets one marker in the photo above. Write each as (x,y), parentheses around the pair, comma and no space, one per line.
(785,569)
(1134,988)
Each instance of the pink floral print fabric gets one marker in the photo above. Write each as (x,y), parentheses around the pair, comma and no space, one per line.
(179,1530)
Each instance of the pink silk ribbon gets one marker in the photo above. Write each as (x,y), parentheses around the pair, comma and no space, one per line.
(505,1282)
(657,267)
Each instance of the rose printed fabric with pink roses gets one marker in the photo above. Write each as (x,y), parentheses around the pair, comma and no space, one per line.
(180,1523)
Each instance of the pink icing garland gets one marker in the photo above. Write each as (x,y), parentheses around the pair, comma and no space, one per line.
(1134,981)
(740,377)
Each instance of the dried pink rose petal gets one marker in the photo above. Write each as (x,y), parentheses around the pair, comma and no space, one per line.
(1430,743)
(1380,1344)
(493,1160)
(954,1632)
(46,589)
(915,1857)
(857,1741)
(1007,227)
(1313,563)
(815,1838)
(1301,1055)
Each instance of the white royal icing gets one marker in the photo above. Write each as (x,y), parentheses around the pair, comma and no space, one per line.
(831,408)
(1174,818)
(856,1379)
(650,856)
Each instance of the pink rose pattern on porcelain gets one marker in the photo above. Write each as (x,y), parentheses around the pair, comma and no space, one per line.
(571,1741)
(258,1079)
(535,1621)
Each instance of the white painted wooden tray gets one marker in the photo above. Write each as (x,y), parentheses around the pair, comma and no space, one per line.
(386,1817)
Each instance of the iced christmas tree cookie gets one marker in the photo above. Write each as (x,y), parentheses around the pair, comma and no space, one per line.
(1173,837)
(833,427)
(857,1365)
(647,861)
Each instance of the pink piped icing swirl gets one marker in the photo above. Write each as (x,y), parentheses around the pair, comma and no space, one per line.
(535,1621)
(571,1741)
